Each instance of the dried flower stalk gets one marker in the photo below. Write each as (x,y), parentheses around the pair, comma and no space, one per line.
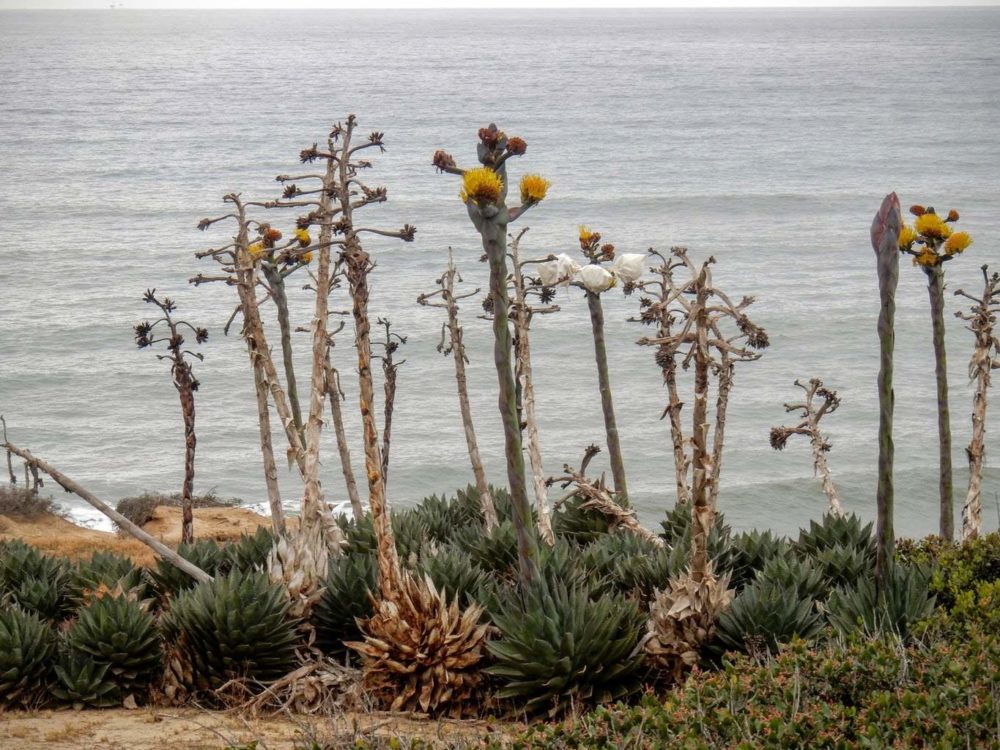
(811,414)
(186,385)
(985,353)
(453,344)
(390,368)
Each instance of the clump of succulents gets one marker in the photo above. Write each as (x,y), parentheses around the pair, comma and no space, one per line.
(577,524)
(633,566)
(117,632)
(494,551)
(442,516)
(234,626)
(750,551)
(836,531)
(33,581)
(454,576)
(250,551)
(894,607)
(561,646)
(84,683)
(350,583)
(109,572)
(423,652)
(763,616)
(27,645)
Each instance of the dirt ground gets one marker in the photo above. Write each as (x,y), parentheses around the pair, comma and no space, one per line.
(192,729)
(57,536)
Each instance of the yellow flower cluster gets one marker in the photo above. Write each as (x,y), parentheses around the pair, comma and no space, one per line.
(533,188)
(307,257)
(481,185)
(957,243)
(933,226)
(907,236)
(302,235)
(256,250)
(926,257)
(585,234)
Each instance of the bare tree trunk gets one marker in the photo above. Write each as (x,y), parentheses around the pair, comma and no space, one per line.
(123,523)
(885,242)
(190,441)
(703,512)
(607,402)
(337,415)
(277,283)
(935,288)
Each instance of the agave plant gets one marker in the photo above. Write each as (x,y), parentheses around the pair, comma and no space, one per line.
(677,533)
(799,578)
(750,551)
(836,531)
(33,581)
(682,618)
(236,625)
(84,683)
(350,583)
(893,608)
(119,633)
(204,553)
(764,616)
(579,525)
(494,551)
(47,597)
(27,645)
(454,576)
(843,566)
(250,551)
(422,652)
(561,647)
(106,572)
(442,517)
(632,565)
(409,529)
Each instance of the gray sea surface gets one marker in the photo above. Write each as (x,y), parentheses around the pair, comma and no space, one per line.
(766,138)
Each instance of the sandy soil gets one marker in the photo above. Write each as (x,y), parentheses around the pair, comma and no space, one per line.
(57,536)
(191,729)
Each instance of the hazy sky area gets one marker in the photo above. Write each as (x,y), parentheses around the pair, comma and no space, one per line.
(235,4)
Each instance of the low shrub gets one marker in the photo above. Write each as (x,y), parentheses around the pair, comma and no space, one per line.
(139,508)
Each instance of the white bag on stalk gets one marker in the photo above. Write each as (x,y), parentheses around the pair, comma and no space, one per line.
(595,279)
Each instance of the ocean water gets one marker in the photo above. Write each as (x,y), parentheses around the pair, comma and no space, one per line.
(764,138)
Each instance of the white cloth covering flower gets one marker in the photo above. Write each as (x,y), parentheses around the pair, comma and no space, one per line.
(595,279)
(558,272)
(629,266)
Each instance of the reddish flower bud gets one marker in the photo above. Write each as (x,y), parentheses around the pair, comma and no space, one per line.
(953,215)
(917,210)
(443,160)
(516,146)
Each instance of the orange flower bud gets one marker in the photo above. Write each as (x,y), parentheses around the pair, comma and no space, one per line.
(917,210)
(953,215)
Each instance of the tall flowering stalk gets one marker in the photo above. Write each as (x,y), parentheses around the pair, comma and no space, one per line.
(522,311)
(453,344)
(811,414)
(484,193)
(932,243)
(390,369)
(985,358)
(185,383)
(885,238)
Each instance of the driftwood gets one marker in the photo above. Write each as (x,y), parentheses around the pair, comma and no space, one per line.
(885,242)
(985,359)
(453,344)
(811,414)
(596,496)
(123,523)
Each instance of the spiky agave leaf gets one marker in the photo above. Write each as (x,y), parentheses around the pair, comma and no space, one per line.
(350,582)
(236,625)
(27,645)
(118,632)
(455,576)
(682,619)
(562,646)
(843,565)
(494,552)
(799,578)
(84,683)
(421,652)
(442,517)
